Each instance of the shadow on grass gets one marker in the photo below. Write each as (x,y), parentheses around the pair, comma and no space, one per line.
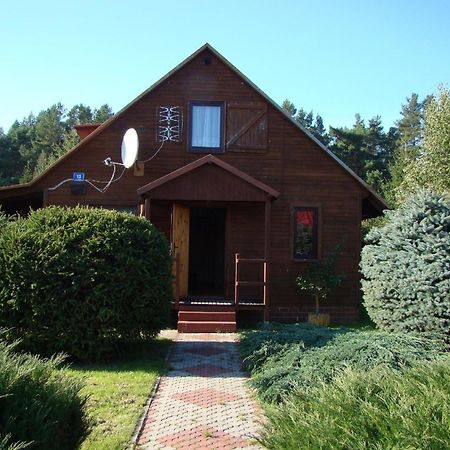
(144,355)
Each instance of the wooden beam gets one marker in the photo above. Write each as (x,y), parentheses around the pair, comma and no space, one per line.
(236,278)
(267,211)
(177,281)
(228,262)
(147,206)
(45,198)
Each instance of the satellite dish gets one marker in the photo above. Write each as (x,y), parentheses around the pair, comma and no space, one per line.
(130,147)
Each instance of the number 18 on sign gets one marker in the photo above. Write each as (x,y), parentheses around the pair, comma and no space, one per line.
(78,176)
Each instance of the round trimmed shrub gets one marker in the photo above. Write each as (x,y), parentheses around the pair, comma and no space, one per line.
(79,280)
(40,405)
(406,267)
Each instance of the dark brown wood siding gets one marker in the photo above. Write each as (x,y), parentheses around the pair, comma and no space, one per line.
(277,153)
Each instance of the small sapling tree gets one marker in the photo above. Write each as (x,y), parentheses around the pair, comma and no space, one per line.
(321,279)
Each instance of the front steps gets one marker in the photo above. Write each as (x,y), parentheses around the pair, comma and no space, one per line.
(206,319)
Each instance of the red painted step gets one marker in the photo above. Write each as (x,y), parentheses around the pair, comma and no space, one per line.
(185,326)
(206,308)
(206,319)
(207,316)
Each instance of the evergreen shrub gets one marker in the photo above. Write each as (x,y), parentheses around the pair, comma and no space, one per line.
(406,267)
(78,280)
(3,220)
(40,405)
(378,409)
(260,344)
(302,364)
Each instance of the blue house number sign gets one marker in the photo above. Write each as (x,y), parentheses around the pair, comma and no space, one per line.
(78,176)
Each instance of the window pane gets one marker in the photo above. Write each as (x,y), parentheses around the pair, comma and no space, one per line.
(305,233)
(206,126)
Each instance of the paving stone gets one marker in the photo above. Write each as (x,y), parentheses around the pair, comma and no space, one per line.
(203,403)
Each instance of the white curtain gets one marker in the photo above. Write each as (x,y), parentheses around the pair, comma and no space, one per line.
(206,126)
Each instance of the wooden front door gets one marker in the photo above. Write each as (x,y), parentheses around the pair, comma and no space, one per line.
(180,245)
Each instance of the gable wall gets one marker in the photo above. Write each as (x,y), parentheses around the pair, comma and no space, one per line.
(292,164)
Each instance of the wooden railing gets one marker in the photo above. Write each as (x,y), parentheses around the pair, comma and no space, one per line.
(238,283)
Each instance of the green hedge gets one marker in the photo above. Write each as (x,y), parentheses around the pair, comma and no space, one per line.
(406,267)
(300,356)
(78,280)
(378,409)
(39,404)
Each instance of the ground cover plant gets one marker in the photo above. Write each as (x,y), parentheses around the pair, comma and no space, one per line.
(80,280)
(117,392)
(260,344)
(406,267)
(375,409)
(310,355)
(40,404)
(338,387)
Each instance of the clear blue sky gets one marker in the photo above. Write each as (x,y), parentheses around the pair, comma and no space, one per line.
(335,57)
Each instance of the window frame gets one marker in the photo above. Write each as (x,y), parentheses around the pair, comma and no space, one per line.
(317,231)
(196,149)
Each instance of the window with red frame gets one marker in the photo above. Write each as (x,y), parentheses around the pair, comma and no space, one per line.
(305,233)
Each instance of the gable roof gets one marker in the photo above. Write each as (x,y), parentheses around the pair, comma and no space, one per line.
(375,199)
(208,159)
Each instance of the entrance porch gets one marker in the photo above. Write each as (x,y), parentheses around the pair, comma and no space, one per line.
(218,221)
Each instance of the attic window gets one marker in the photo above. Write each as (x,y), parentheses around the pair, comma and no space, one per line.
(206,126)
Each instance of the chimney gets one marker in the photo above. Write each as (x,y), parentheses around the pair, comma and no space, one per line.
(86,129)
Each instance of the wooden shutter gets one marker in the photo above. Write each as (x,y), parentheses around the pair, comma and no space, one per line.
(180,245)
(246,126)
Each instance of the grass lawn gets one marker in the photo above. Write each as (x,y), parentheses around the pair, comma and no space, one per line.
(117,393)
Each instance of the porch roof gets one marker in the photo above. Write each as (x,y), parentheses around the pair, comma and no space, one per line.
(211,179)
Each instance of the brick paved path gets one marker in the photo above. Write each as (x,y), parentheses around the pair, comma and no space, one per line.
(202,403)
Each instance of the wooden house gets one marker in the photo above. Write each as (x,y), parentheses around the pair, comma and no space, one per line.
(247,197)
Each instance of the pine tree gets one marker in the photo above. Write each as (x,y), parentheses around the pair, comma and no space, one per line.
(319,131)
(409,138)
(410,125)
(10,163)
(79,114)
(32,144)
(349,145)
(307,120)
(367,150)
(289,108)
(102,114)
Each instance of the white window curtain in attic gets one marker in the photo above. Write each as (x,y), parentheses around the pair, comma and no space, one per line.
(206,126)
